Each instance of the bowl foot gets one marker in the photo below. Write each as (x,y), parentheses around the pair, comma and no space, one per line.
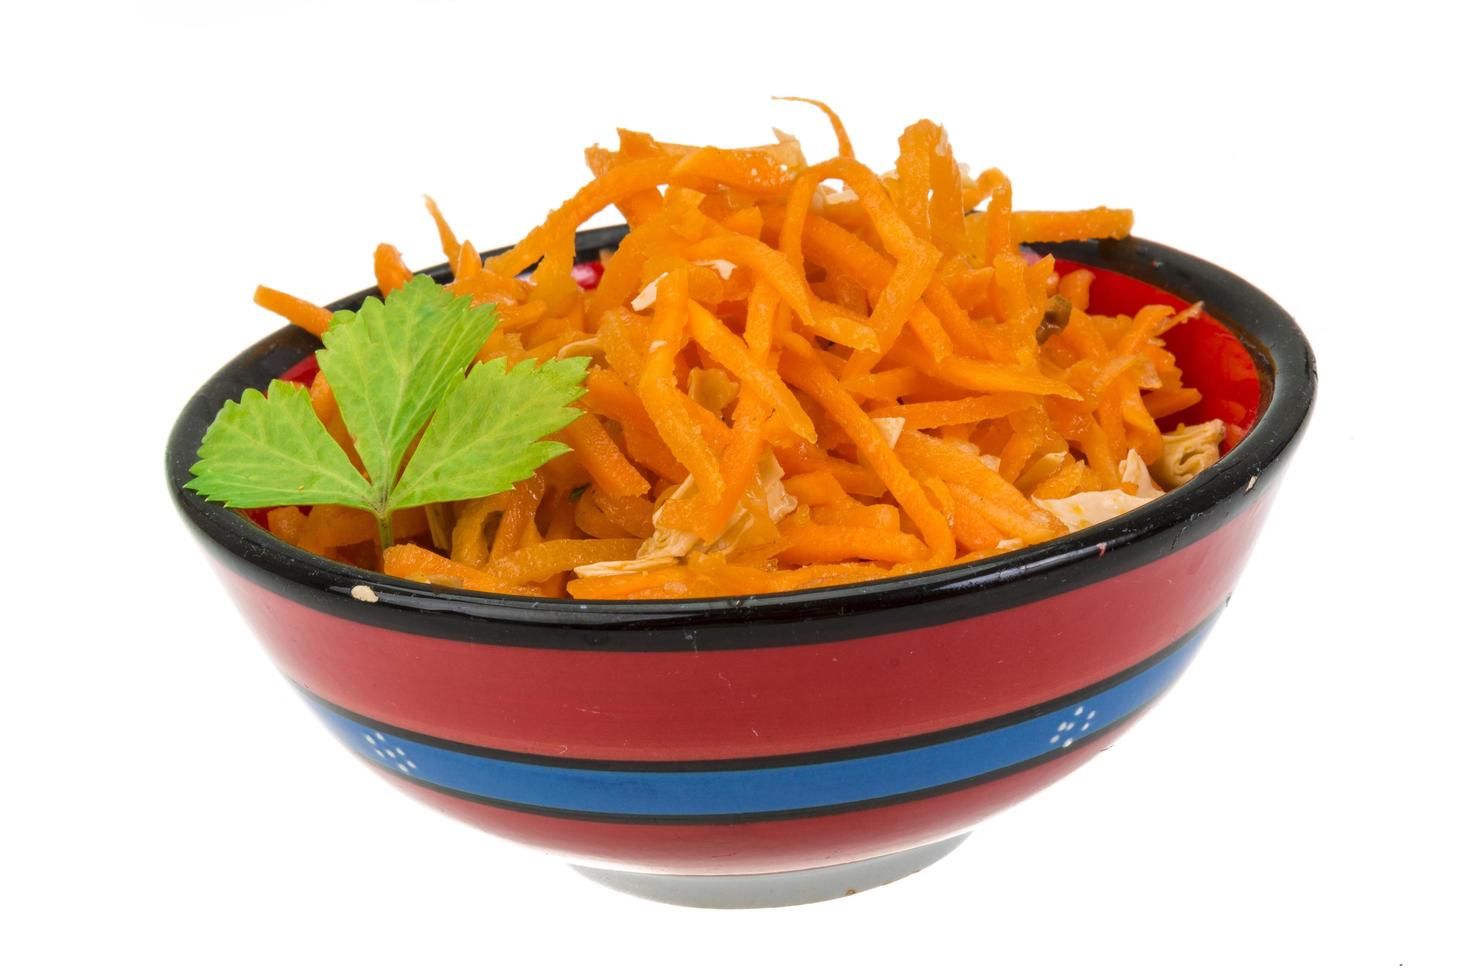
(773,890)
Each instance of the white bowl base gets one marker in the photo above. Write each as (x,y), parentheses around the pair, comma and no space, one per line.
(773,890)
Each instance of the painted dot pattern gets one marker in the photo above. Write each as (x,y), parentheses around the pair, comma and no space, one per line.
(1071,729)
(390,754)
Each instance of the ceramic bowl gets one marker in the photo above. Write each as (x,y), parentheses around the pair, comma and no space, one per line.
(794,747)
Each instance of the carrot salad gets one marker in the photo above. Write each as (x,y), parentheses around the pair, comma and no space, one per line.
(803,374)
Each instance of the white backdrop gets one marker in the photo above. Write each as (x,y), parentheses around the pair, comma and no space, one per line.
(1296,806)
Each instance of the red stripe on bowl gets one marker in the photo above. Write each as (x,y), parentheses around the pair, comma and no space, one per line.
(753,702)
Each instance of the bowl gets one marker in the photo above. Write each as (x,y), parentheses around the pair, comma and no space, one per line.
(786,748)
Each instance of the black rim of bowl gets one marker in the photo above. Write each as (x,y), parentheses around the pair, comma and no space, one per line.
(1288,385)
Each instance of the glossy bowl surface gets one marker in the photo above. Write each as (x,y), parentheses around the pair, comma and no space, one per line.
(805,730)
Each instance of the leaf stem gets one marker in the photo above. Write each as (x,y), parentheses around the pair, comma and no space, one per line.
(384,514)
(385,530)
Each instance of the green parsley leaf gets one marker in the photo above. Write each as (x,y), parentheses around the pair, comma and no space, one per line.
(273,451)
(484,437)
(397,369)
(391,364)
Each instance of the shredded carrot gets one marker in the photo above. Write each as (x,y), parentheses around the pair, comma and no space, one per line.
(812,377)
(412,562)
(820,487)
(932,415)
(634,514)
(286,523)
(811,543)
(1003,505)
(447,241)
(971,528)
(730,352)
(672,414)
(306,315)
(844,145)
(468,544)
(1066,226)
(593,521)
(850,513)
(606,464)
(791,386)
(519,518)
(389,268)
(545,558)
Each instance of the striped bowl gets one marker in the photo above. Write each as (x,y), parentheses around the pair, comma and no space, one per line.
(795,747)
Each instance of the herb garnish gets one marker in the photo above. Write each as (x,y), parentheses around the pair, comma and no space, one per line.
(394,368)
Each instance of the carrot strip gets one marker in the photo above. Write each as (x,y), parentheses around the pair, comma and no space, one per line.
(604,461)
(909,280)
(915,162)
(644,205)
(593,521)
(622,274)
(447,241)
(808,543)
(849,513)
(811,377)
(622,181)
(946,201)
(971,529)
(1081,429)
(625,344)
(1143,433)
(389,269)
(767,263)
(1165,403)
(633,514)
(1147,323)
(844,145)
(324,404)
(889,385)
(1068,226)
(286,523)
(748,170)
(668,407)
(739,467)
(930,332)
(832,246)
(961,411)
(1064,482)
(333,526)
(1076,288)
(733,355)
(650,452)
(997,226)
(806,458)
(897,238)
(664,583)
(1003,505)
(539,561)
(468,545)
(975,375)
(607,395)
(412,562)
(760,319)
(820,487)
(519,518)
(308,316)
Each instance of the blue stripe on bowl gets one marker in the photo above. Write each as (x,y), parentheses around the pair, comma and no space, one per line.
(723,791)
